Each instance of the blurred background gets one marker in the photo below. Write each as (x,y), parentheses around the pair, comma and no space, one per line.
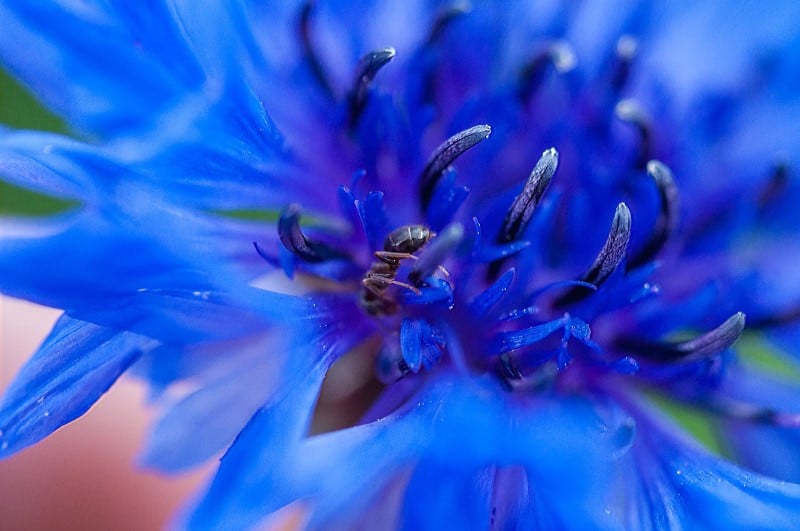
(85,475)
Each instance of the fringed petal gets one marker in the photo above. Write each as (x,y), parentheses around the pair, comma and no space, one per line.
(73,53)
(348,467)
(72,369)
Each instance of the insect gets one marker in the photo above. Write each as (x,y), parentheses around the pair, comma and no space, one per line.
(399,245)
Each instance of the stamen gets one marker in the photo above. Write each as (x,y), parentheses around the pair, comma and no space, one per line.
(373,218)
(519,214)
(444,155)
(480,305)
(699,348)
(629,111)
(521,210)
(420,344)
(411,343)
(367,69)
(513,340)
(308,49)
(559,54)
(668,216)
(445,17)
(607,260)
(627,46)
(428,56)
(435,253)
(714,341)
(299,244)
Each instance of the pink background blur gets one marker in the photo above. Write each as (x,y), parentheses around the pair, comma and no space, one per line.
(84,476)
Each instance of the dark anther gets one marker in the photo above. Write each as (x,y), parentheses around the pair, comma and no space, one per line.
(445,17)
(625,53)
(308,50)
(775,186)
(629,111)
(366,70)
(435,253)
(699,348)
(607,260)
(559,54)
(519,214)
(429,55)
(669,205)
(301,246)
(444,155)
(521,210)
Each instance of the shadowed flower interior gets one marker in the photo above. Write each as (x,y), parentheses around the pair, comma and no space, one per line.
(426,264)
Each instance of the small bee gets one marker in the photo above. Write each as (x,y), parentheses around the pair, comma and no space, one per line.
(399,245)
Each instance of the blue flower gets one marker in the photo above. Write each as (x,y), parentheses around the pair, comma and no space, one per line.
(421,265)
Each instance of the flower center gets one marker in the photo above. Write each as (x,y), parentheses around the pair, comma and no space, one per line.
(464,285)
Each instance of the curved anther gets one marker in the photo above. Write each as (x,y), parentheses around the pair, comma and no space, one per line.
(559,54)
(304,26)
(630,112)
(627,46)
(608,259)
(519,214)
(366,70)
(445,17)
(669,212)
(775,185)
(292,237)
(699,348)
(521,210)
(443,157)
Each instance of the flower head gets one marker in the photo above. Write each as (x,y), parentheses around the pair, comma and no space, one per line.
(421,264)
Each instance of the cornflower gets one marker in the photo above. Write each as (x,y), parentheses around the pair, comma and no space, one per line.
(421,265)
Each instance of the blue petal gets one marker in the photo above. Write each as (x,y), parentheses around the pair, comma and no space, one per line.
(716,493)
(677,481)
(221,36)
(374,219)
(284,418)
(481,304)
(411,343)
(124,264)
(440,497)
(48,163)
(74,51)
(75,365)
(343,471)
(234,381)
(236,495)
(225,132)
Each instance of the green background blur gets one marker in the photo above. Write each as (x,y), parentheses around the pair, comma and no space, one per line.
(19,110)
